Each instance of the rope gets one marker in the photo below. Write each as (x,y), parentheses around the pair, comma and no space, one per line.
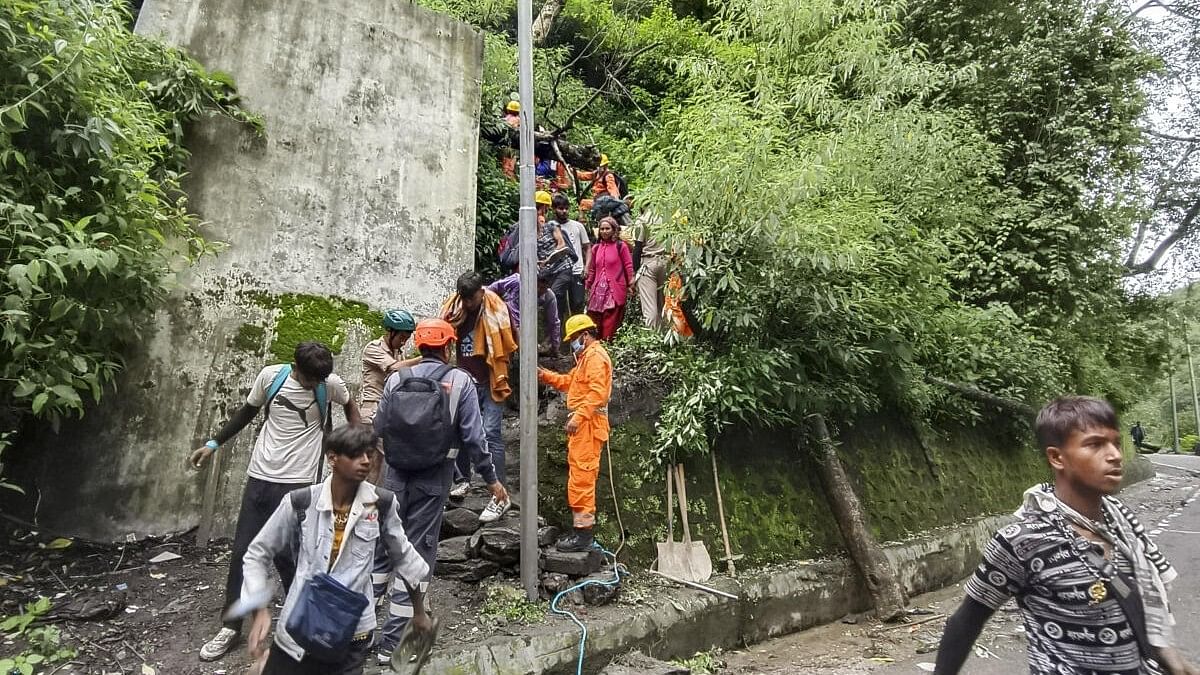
(571,615)
(616,505)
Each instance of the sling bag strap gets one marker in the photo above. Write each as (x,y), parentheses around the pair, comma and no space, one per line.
(1129,597)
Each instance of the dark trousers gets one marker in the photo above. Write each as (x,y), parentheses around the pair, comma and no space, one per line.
(421,502)
(280,663)
(259,500)
(493,418)
(577,296)
(560,285)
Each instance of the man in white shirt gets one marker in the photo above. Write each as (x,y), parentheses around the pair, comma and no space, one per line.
(297,401)
(580,243)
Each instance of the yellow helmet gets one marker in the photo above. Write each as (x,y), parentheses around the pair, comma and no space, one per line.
(513,106)
(603,159)
(542,197)
(577,324)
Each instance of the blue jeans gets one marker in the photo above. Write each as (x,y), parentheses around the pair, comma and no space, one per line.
(493,414)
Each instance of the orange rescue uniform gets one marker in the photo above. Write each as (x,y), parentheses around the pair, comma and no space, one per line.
(588,387)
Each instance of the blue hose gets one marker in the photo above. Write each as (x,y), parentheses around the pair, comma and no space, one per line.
(568,613)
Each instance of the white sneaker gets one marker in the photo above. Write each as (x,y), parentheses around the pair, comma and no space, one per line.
(219,646)
(460,489)
(494,510)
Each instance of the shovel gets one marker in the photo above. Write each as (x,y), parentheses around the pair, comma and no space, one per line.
(689,560)
(672,557)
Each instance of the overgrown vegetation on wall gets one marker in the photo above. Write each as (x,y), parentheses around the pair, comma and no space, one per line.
(95,226)
(879,195)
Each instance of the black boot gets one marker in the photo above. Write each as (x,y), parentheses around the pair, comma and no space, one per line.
(580,540)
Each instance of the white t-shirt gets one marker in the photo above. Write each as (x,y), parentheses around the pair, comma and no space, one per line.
(288,447)
(578,234)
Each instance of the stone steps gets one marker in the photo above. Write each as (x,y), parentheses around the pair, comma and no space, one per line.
(469,551)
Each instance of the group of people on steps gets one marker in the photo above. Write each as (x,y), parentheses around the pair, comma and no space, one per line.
(427,421)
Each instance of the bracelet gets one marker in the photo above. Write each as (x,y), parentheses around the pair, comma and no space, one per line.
(212,444)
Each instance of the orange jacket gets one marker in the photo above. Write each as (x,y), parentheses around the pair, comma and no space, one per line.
(588,385)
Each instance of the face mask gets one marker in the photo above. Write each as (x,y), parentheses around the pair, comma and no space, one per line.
(577,345)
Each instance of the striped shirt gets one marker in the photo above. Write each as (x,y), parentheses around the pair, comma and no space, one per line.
(1033,561)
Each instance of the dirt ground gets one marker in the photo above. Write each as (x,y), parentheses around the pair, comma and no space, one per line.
(159,615)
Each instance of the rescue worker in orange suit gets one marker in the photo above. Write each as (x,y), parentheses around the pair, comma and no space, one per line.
(588,387)
(603,183)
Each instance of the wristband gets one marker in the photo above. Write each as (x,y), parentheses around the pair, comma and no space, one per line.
(212,444)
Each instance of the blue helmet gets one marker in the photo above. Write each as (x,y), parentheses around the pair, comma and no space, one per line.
(398,319)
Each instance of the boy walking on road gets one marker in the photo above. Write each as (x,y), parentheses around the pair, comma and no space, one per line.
(296,400)
(1091,585)
(588,387)
(333,528)
(428,416)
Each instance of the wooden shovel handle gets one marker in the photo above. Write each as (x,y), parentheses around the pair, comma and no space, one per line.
(683,511)
(670,505)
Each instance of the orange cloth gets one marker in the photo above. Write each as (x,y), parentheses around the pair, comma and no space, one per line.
(493,335)
(673,308)
(588,387)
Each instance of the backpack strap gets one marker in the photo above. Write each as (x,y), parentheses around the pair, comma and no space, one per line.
(276,384)
(323,409)
(455,392)
(301,499)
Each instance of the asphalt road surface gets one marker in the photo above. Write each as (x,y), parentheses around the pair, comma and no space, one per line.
(1166,504)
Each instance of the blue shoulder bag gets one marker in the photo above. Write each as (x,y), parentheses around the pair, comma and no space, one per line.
(326,614)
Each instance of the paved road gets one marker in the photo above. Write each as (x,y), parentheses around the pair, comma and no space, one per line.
(1167,504)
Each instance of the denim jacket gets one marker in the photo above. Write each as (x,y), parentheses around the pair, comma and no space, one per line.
(352,566)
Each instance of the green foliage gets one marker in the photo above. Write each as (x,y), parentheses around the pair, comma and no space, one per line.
(1058,95)
(703,663)
(495,211)
(504,605)
(90,160)
(43,643)
(877,193)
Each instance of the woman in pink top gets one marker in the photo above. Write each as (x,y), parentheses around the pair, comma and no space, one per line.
(609,273)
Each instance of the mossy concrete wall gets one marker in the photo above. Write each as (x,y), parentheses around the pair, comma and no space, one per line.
(360,196)
(909,480)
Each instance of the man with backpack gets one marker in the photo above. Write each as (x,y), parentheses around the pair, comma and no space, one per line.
(332,529)
(428,415)
(382,357)
(296,400)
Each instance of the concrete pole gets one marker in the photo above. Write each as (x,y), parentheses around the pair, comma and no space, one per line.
(1174,413)
(1192,375)
(528,303)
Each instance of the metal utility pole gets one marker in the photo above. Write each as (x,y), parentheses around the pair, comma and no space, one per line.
(528,302)
(1174,413)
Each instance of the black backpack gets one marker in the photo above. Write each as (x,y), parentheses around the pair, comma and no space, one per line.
(419,429)
(622,186)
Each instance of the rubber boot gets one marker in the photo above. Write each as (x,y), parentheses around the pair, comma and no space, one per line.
(580,540)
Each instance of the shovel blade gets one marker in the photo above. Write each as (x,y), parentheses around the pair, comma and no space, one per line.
(689,562)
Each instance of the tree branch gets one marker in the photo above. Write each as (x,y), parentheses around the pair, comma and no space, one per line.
(969,392)
(544,22)
(1185,228)
(1172,137)
(1159,201)
(566,125)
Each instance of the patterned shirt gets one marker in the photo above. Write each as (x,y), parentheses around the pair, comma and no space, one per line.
(1033,561)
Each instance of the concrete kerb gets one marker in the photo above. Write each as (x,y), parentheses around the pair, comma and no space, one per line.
(770,604)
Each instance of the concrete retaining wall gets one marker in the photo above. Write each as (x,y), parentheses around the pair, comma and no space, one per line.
(769,605)
(363,189)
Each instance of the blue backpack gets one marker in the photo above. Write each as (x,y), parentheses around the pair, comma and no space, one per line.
(322,395)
